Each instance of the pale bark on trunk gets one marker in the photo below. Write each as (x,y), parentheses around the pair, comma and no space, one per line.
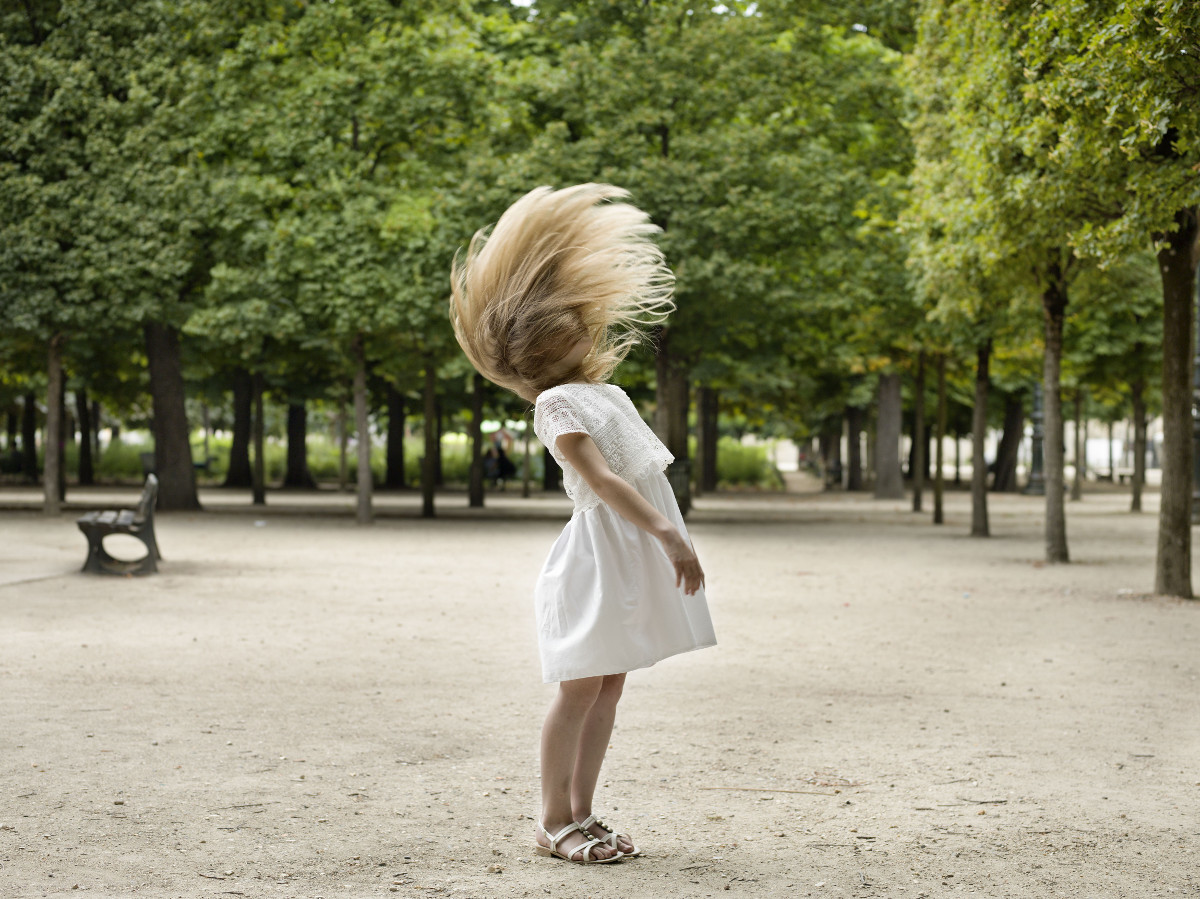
(979,511)
(939,477)
(363,513)
(1079,453)
(1139,444)
(918,436)
(1054,306)
(475,487)
(51,502)
(889,481)
(238,473)
(172,446)
(430,427)
(1177,264)
(258,472)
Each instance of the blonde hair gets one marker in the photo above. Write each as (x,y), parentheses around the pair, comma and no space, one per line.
(559,267)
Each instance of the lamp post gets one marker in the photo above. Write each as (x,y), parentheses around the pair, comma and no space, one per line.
(1037,478)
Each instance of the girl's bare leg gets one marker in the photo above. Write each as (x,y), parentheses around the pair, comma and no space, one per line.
(593,743)
(560,747)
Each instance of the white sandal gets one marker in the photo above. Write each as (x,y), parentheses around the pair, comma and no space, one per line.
(611,839)
(586,859)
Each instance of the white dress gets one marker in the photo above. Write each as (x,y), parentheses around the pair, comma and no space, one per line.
(606,599)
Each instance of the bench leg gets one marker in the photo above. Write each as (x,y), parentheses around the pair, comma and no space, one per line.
(99,561)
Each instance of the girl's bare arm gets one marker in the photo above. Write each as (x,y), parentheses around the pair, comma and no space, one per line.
(583,454)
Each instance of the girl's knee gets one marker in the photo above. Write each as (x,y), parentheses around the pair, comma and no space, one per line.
(611,688)
(581,692)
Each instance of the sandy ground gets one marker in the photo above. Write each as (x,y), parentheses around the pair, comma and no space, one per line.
(297,706)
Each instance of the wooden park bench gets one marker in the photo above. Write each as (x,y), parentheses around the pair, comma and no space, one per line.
(137,523)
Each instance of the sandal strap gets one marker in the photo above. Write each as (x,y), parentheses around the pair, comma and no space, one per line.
(586,847)
(610,840)
(566,831)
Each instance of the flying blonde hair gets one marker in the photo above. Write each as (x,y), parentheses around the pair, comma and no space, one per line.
(560,266)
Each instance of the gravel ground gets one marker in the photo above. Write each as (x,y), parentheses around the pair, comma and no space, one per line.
(299,707)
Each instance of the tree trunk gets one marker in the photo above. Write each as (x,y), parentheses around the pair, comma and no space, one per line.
(1079,451)
(979,512)
(52,460)
(83,411)
(297,473)
(394,479)
(957,459)
(343,442)
(430,427)
(707,408)
(830,444)
(172,448)
(29,466)
(1005,478)
(238,474)
(1054,306)
(939,477)
(854,426)
(889,481)
(258,474)
(439,471)
(363,513)
(673,393)
(475,486)
(919,445)
(12,428)
(1139,444)
(97,420)
(68,439)
(1177,263)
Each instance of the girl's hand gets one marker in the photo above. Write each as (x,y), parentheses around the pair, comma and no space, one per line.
(688,572)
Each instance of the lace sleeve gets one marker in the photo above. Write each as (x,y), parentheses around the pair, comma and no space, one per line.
(554,417)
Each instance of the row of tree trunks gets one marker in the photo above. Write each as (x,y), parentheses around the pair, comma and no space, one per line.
(979,510)
(1177,265)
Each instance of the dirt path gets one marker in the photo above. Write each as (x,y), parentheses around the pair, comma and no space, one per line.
(306,708)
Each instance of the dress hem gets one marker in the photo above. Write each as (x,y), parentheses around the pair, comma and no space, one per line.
(556,679)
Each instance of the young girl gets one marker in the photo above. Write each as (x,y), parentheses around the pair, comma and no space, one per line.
(547,305)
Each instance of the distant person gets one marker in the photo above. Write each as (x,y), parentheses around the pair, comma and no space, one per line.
(547,305)
(491,466)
